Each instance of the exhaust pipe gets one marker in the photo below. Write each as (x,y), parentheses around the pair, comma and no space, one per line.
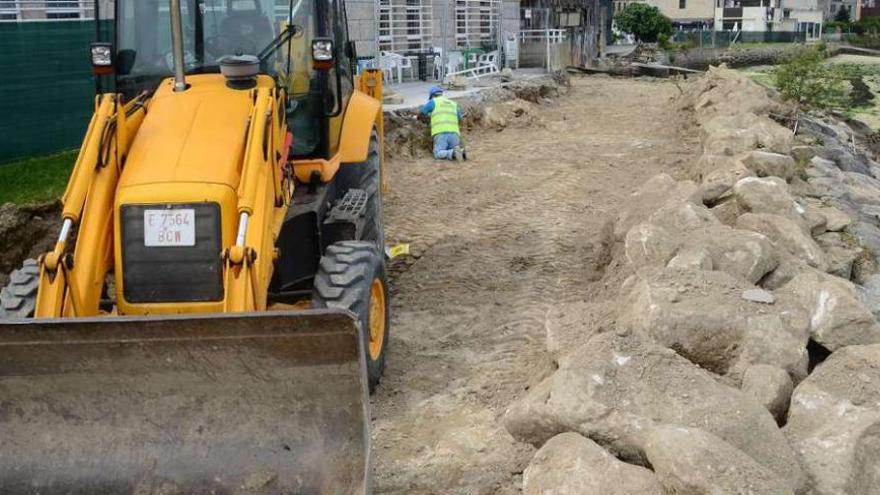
(177,46)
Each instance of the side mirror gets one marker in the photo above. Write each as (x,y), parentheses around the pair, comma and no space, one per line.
(102,58)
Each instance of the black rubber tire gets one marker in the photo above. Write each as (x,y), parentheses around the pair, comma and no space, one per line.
(19,298)
(344,279)
(367,176)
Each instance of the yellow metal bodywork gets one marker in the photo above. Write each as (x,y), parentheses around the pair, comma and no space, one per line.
(209,143)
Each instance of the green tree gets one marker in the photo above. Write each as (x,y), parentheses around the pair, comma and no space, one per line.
(807,80)
(842,15)
(644,21)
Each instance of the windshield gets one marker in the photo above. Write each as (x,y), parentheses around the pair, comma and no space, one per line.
(211,30)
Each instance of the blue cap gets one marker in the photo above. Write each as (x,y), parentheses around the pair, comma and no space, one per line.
(434,91)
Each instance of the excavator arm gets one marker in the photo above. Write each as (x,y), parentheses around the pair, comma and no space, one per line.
(71,281)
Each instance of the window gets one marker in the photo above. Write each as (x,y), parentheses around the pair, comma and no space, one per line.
(682,4)
(476,22)
(62,15)
(63,9)
(8,10)
(405,26)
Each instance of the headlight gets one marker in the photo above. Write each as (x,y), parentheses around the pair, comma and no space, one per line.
(322,50)
(102,55)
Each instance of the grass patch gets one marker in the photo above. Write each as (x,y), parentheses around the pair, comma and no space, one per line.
(36,180)
(754,45)
(863,84)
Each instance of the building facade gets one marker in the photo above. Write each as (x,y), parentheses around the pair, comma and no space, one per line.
(411,26)
(776,18)
(41,10)
(687,13)
(833,7)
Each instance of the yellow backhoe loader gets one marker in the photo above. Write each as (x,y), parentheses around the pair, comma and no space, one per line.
(215,309)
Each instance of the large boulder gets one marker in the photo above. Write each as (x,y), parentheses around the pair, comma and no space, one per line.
(788,268)
(841,252)
(770,386)
(779,339)
(649,244)
(862,189)
(766,195)
(718,174)
(852,188)
(690,461)
(723,91)
(835,219)
(703,316)
(825,178)
(649,198)
(569,464)
(787,235)
(682,216)
(726,210)
(743,132)
(616,389)
(740,253)
(836,316)
(834,423)
(692,228)
(692,258)
(844,158)
(767,164)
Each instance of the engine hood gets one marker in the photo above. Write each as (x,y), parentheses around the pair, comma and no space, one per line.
(194,136)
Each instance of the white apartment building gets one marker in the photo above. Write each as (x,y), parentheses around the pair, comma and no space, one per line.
(41,10)
(770,16)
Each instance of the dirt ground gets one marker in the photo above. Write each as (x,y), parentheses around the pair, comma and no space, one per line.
(505,247)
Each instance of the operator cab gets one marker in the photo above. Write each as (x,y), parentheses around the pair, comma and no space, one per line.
(280,33)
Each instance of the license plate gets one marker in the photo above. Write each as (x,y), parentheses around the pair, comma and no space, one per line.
(169,228)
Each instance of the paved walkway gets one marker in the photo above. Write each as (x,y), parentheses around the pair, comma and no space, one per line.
(415,93)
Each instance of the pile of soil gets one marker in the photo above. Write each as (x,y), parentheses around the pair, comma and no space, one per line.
(408,135)
(26,232)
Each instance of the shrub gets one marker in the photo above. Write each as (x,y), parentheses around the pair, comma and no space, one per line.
(807,80)
(645,22)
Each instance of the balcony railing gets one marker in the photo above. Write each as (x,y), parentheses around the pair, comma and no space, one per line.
(46,10)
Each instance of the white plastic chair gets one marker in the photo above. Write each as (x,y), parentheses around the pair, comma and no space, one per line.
(489,59)
(392,63)
(438,62)
(454,62)
(389,65)
(406,63)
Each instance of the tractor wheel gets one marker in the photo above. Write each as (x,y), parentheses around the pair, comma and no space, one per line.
(19,298)
(352,276)
(366,176)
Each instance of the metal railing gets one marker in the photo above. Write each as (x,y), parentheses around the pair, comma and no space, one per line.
(553,36)
(46,10)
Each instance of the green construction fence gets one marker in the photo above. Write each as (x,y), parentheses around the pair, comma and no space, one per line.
(46,87)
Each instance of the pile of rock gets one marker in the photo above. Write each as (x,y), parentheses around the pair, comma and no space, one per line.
(706,384)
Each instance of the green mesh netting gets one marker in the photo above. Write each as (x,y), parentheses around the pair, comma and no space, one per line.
(46,86)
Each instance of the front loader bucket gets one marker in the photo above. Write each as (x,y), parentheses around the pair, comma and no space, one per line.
(254,403)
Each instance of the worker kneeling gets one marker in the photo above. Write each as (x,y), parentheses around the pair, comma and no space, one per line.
(445,116)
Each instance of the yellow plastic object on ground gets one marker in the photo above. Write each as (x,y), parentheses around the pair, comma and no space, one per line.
(398,250)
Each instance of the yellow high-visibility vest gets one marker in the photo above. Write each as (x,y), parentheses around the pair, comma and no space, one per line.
(444,118)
